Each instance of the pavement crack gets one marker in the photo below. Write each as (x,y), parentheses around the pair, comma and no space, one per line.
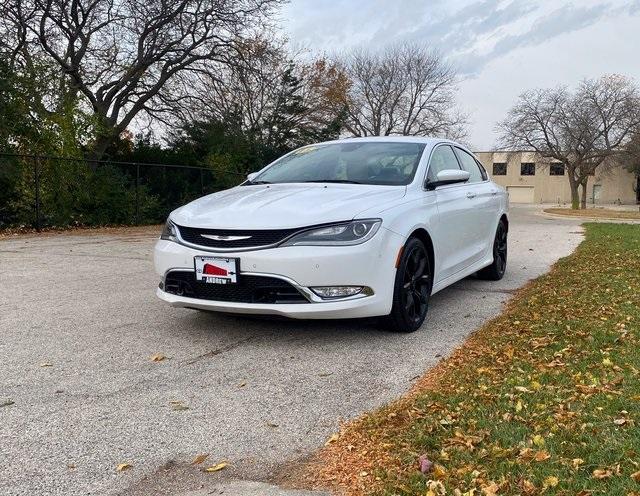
(219,351)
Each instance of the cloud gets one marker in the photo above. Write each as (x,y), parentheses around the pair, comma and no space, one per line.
(499,47)
(460,30)
(559,22)
(470,34)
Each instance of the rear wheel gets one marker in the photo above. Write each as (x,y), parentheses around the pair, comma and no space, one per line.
(412,288)
(496,270)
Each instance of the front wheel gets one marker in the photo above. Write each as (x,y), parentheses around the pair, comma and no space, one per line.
(412,288)
(495,271)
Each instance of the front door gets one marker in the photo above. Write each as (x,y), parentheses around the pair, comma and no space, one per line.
(484,206)
(453,232)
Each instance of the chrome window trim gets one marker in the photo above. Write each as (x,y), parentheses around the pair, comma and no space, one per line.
(475,160)
(426,172)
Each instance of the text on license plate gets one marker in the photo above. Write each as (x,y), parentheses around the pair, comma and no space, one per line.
(216,270)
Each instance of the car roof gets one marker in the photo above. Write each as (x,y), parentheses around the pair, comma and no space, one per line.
(428,140)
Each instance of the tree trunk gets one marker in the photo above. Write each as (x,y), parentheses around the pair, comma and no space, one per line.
(100,146)
(575,197)
(583,198)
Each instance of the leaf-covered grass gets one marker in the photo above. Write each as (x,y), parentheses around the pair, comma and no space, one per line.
(544,398)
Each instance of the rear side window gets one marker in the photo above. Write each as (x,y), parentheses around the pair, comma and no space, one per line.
(442,158)
(470,165)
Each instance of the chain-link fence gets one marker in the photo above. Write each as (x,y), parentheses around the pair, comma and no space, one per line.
(47,191)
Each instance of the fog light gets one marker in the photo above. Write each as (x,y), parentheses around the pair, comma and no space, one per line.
(337,291)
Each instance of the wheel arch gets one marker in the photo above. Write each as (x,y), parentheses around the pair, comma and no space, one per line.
(505,219)
(425,237)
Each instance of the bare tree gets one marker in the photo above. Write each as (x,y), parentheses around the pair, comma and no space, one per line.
(632,161)
(584,130)
(124,58)
(271,91)
(406,89)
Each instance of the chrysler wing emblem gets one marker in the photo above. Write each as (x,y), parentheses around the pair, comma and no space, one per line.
(218,237)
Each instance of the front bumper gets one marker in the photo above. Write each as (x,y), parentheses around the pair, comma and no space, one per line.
(370,264)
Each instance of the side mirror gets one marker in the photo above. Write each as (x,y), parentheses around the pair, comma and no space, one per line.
(251,176)
(448,176)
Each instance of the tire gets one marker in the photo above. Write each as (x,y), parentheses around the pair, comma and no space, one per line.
(496,270)
(412,288)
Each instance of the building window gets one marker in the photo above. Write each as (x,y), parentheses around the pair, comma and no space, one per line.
(556,169)
(527,169)
(499,168)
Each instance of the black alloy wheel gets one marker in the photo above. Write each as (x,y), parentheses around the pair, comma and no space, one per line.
(412,288)
(496,270)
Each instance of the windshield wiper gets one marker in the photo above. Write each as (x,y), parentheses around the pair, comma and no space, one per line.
(345,181)
(259,182)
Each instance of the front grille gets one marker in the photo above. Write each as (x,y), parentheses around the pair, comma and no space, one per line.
(255,238)
(248,289)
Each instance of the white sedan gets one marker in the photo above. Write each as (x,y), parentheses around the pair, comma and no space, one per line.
(351,228)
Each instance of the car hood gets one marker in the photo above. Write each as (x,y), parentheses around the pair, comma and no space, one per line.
(280,206)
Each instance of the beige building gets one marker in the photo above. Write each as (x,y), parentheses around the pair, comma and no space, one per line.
(531,179)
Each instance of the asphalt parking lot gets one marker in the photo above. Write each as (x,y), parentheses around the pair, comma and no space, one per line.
(79,322)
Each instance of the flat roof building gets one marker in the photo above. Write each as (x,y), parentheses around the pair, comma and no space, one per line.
(530,178)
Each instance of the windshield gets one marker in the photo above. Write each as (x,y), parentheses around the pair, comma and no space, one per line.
(378,162)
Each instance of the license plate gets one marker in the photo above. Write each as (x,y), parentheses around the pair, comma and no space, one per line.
(216,270)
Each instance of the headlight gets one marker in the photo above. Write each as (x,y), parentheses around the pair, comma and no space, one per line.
(170,231)
(348,233)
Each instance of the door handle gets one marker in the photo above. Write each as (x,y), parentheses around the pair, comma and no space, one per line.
(471,195)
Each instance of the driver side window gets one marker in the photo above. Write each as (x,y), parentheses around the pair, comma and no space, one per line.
(442,158)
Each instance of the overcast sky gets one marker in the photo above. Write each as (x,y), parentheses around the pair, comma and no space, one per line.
(499,47)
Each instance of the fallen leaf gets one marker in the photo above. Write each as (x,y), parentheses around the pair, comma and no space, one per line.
(636,476)
(425,464)
(216,468)
(528,487)
(178,406)
(439,471)
(601,473)
(7,403)
(538,440)
(541,456)
(607,362)
(200,458)
(576,462)
(46,364)
(242,384)
(158,357)
(272,424)
(435,488)
(123,466)
(620,421)
(550,481)
(332,439)
(491,489)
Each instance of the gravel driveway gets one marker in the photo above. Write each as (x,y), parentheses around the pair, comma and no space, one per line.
(79,322)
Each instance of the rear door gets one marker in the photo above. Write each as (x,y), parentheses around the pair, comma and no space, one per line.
(483,204)
(452,233)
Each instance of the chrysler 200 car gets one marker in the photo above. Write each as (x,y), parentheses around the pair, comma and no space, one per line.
(350,228)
